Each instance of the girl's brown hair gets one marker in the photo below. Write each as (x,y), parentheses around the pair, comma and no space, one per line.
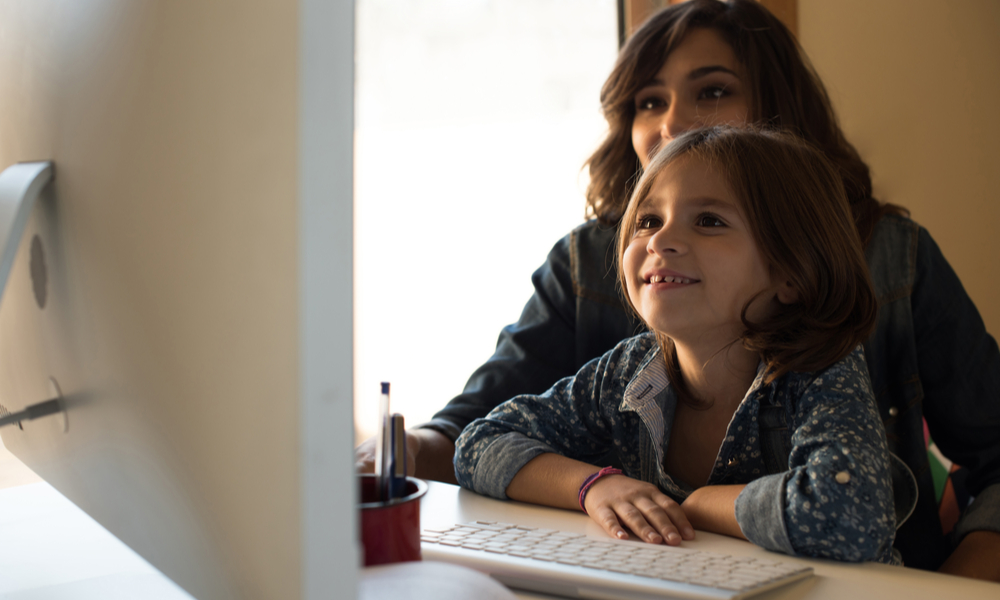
(784,92)
(797,211)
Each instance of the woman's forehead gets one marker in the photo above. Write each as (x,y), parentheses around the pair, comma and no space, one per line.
(701,51)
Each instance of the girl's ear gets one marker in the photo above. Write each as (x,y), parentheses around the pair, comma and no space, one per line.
(787,294)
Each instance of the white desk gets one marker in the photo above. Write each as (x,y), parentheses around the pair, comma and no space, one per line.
(447,505)
(51,550)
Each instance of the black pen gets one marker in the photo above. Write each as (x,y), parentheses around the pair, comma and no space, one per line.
(383,441)
(397,458)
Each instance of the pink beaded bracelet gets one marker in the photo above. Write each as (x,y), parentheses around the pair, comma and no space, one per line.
(590,481)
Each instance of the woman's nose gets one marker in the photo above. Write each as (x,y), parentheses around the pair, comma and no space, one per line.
(676,120)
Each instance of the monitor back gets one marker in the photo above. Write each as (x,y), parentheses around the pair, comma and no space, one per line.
(193,254)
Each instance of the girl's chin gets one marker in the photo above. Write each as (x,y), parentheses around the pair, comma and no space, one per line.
(696,336)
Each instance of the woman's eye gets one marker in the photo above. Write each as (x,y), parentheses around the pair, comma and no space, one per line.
(649,103)
(713,92)
(709,221)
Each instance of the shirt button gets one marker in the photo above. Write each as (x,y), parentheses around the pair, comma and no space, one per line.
(893,411)
(843,477)
(733,462)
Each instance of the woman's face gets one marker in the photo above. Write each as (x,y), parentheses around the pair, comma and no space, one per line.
(700,85)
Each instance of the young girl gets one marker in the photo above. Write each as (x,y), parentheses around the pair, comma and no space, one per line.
(738,251)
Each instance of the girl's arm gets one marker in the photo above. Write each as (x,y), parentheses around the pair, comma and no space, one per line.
(542,448)
(835,501)
(713,508)
(555,480)
(569,419)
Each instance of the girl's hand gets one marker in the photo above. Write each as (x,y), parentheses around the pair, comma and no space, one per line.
(641,507)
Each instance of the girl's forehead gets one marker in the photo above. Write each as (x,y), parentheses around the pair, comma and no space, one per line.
(694,181)
(691,174)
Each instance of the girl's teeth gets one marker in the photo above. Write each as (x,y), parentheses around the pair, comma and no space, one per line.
(660,278)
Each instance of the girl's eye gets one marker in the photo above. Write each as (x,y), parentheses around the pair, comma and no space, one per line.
(713,92)
(709,220)
(648,223)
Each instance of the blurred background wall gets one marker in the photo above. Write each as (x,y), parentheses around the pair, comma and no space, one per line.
(916,84)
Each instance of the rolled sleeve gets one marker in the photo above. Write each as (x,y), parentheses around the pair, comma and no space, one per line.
(569,419)
(500,462)
(838,500)
(982,515)
(760,513)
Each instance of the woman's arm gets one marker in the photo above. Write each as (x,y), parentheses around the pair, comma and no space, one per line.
(575,314)
(531,354)
(429,455)
(959,365)
(976,557)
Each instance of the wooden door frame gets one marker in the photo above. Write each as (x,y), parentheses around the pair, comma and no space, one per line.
(632,13)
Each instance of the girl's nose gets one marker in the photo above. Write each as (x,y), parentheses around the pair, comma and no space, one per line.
(668,240)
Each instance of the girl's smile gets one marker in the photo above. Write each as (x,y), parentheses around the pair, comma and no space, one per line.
(666,277)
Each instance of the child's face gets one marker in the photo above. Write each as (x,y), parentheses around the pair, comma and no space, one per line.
(692,263)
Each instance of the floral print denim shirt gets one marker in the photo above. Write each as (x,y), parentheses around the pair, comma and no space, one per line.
(834,501)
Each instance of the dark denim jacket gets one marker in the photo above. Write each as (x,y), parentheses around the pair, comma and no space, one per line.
(929,356)
(832,499)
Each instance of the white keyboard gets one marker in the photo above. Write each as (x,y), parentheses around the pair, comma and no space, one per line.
(573,565)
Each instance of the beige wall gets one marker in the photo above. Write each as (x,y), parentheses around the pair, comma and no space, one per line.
(916,84)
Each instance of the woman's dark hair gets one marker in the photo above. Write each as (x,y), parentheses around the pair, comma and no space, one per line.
(783,90)
(796,209)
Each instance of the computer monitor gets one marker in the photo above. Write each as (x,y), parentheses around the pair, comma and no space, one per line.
(195,250)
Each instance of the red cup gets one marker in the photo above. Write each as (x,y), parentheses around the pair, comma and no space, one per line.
(390,531)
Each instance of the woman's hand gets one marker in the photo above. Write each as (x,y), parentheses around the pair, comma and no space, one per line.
(975,557)
(615,500)
(428,455)
(364,454)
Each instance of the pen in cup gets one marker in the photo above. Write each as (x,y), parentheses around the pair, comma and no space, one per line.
(397,458)
(383,441)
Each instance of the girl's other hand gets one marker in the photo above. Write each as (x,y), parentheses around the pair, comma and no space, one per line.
(618,500)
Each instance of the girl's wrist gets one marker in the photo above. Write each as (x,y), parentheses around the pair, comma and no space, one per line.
(713,508)
(591,480)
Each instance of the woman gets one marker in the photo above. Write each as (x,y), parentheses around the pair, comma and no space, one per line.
(704,63)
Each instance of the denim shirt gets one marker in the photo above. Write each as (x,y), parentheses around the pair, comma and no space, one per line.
(833,501)
(930,355)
